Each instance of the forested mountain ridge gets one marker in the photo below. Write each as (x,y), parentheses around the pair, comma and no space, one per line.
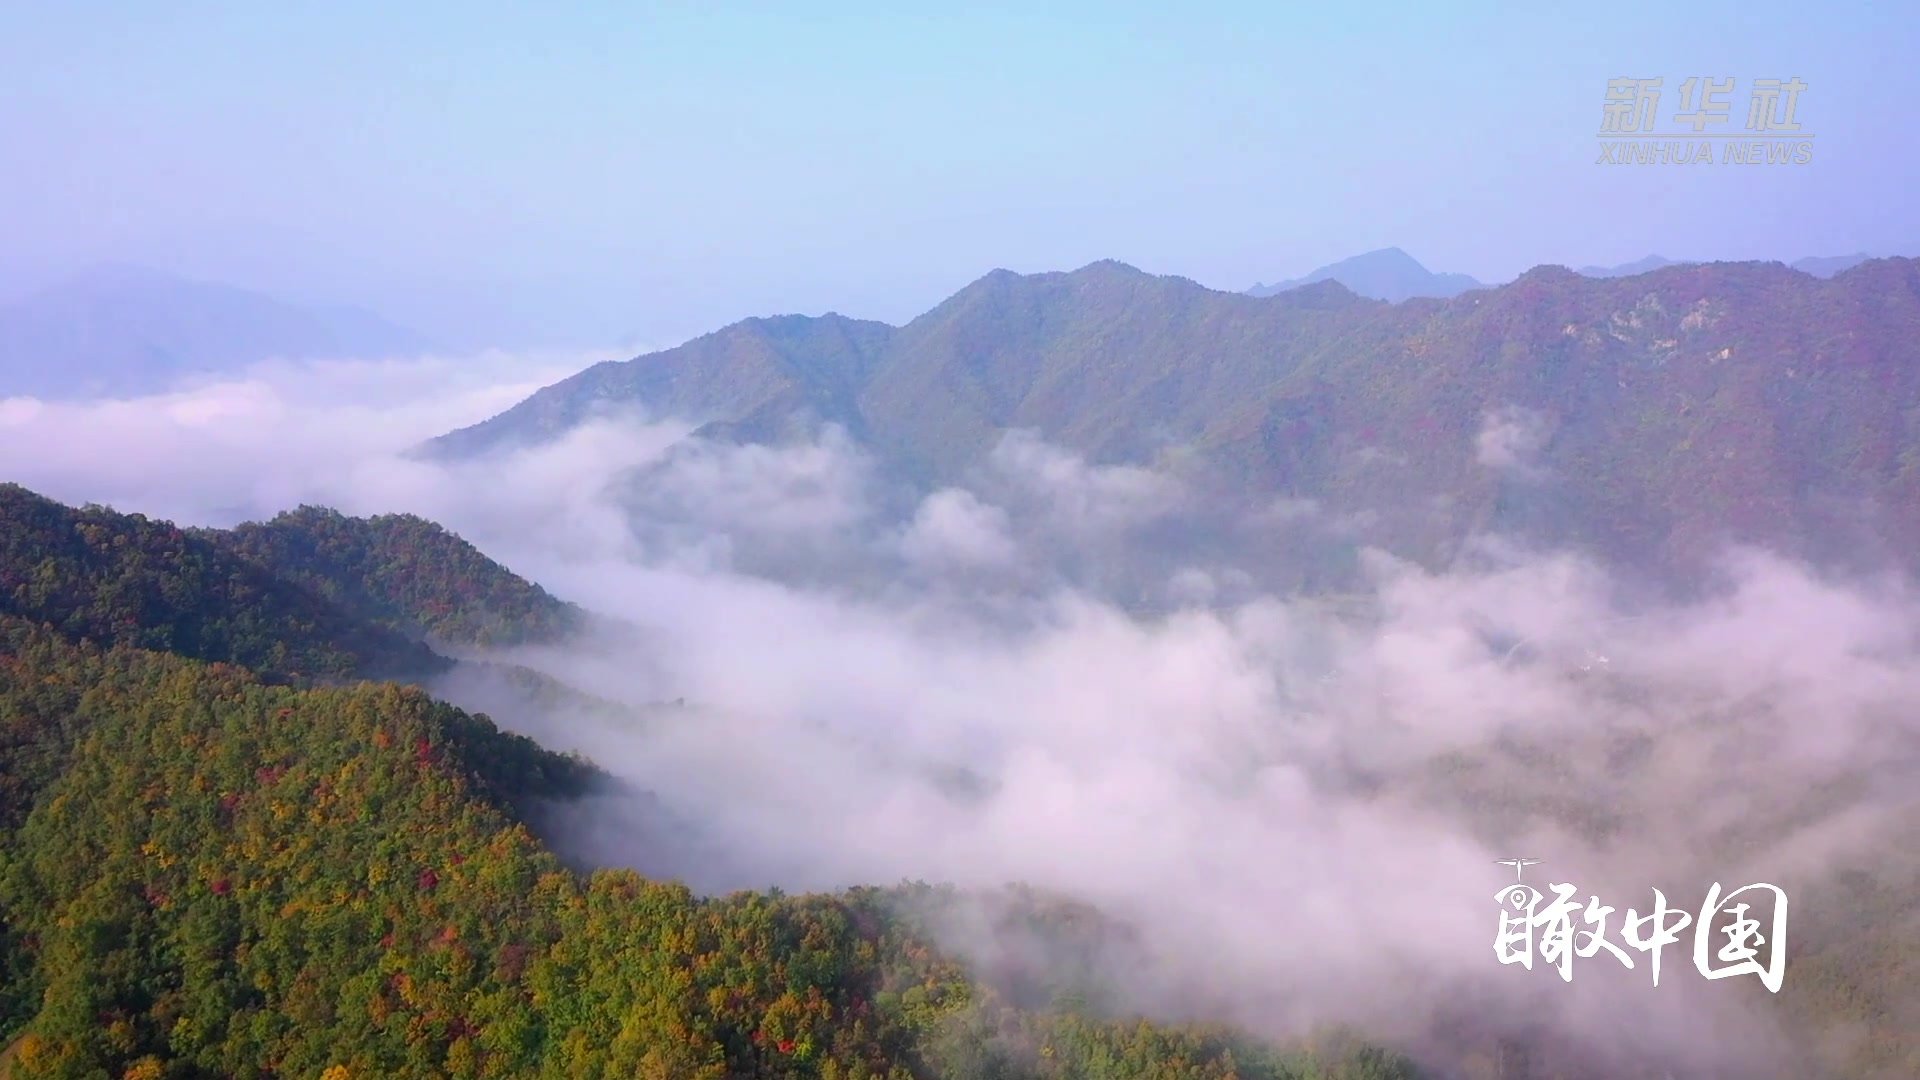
(1648,418)
(122,579)
(204,874)
(406,572)
(313,593)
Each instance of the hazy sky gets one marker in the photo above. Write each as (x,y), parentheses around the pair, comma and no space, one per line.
(493,173)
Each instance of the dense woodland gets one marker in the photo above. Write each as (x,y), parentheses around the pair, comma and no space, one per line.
(312,593)
(406,573)
(113,578)
(220,857)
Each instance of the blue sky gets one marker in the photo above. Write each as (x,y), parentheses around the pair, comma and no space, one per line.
(496,173)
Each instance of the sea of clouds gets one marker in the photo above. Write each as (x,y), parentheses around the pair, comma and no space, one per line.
(1105,682)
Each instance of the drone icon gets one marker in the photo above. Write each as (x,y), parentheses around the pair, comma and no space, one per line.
(1519,865)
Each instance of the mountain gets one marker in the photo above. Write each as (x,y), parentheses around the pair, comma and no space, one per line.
(205,875)
(753,376)
(1820,266)
(204,872)
(311,594)
(120,330)
(405,573)
(1387,274)
(1632,269)
(1825,266)
(1648,419)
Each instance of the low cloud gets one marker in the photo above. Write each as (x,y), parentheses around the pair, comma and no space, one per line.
(1084,499)
(1509,441)
(953,527)
(213,449)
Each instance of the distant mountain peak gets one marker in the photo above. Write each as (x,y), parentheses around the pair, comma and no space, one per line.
(121,328)
(1099,269)
(1387,273)
(1104,276)
(1826,266)
(1644,265)
(1110,268)
(1386,256)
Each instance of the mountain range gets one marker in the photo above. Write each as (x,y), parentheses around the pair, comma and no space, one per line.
(1820,266)
(123,330)
(1392,275)
(126,330)
(1648,419)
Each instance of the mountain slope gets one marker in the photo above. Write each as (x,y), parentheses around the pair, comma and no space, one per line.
(310,594)
(121,579)
(1107,360)
(1649,419)
(1387,274)
(206,874)
(406,573)
(121,330)
(756,375)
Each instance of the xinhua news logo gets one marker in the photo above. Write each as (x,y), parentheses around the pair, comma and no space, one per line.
(1699,130)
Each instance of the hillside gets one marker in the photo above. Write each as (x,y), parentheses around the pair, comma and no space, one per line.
(1649,419)
(757,372)
(122,579)
(206,874)
(405,573)
(310,594)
